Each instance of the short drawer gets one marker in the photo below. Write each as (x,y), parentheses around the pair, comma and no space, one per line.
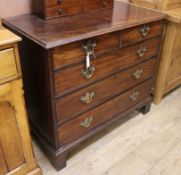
(73,53)
(8,65)
(98,93)
(82,125)
(71,79)
(147,31)
(56,8)
(71,3)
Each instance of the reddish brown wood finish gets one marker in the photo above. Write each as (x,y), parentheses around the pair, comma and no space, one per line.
(54,9)
(71,3)
(70,79)
(71,105)
(133,35)
(73,53)
(60,31)
(52,60)
(73,130)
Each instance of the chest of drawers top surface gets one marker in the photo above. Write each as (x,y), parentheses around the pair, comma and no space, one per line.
(60,31)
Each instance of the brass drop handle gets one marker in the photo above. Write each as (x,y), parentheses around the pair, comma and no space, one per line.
(88,72)
(144,30)
(134,95)
(137,74)
(87,122)
(87,98)
(141,51)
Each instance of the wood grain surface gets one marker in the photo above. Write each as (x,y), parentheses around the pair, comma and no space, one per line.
(73,130)
(54,33)
(71,79)
(52,62)
(103,91)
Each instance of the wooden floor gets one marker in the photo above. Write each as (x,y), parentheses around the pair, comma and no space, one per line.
(140,145)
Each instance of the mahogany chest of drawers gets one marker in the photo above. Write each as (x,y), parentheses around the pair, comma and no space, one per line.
(56,8)
(68,101)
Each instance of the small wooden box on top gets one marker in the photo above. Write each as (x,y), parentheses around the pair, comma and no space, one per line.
(48,9)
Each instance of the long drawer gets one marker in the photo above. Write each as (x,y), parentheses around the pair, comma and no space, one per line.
(80,126)
(73,105)
(71,79)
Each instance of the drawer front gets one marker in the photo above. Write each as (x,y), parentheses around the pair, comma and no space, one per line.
(58,8)
(71,79)
(49,3)
(73,53)
(98,93)
(133,35)
(8,66)
(80,126)
(71,3)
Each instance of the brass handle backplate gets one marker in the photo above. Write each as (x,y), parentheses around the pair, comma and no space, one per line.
(144,30)
(87,122)
(141,51)
(87,98)
(88,72)
(134,95)
(138,73)
(89,47)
